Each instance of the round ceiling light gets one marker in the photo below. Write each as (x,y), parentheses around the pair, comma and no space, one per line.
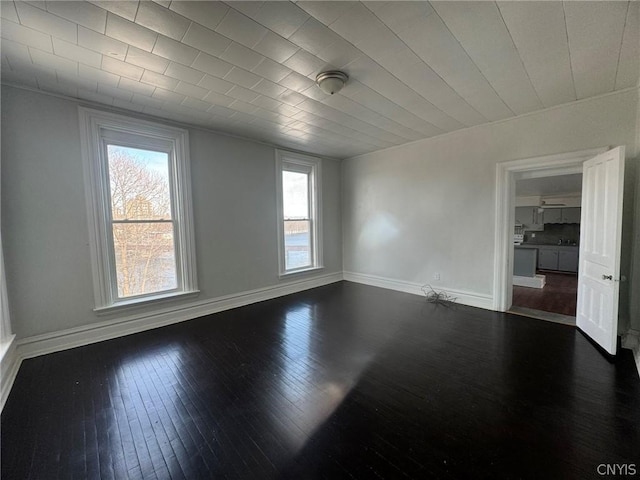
(331,82)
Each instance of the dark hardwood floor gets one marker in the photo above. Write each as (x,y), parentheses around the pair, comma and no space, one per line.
(343,381)
(559,295)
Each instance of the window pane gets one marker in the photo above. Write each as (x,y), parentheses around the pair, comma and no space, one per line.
(139,182)
(297,244)
(295,194)
(145,258)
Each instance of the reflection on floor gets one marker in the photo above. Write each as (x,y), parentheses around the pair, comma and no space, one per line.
(559,295)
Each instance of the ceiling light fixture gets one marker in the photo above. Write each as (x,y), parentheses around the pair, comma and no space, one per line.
(331,82)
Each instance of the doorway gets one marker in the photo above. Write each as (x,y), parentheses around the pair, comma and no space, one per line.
(601,233)
(508,174)
(546,251)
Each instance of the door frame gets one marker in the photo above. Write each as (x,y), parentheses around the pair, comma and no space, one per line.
(506,173)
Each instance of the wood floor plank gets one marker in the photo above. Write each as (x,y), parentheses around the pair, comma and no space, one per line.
(343,381)
(559,295)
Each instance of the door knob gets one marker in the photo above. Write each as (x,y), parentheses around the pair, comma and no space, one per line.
(607,277)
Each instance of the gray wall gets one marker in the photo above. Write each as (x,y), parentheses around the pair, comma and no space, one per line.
(429,207)
(44,219)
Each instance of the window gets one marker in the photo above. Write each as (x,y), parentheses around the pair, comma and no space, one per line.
(299,229)
(138,187)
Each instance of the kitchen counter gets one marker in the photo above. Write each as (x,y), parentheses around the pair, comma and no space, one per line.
(562,258)
(543,245)
(525,262)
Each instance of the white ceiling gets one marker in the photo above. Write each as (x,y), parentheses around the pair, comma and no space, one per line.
(549,186)
(417,69)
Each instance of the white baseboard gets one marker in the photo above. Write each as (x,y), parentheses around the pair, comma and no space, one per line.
(533,282)
(87,334)
(9,365)
(631,340)
(465,298)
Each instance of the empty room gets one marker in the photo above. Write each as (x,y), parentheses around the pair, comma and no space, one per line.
(309,240)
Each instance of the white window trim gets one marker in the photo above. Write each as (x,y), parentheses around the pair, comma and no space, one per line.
(94,126)
(312,164)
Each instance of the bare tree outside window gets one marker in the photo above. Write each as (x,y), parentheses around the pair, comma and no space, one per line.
(142,221)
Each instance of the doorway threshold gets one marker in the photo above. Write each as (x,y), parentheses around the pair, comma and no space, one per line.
(542,315)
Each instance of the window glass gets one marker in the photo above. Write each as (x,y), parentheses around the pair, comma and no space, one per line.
(297,244)
(297,231)
(142,225)
(295,190)
(144,258)
(139,183)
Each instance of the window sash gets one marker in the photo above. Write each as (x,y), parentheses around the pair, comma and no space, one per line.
(308,171)
(145,221)
(128,141)
(116,273)
(309,191)
(290,248)
(118,139)
(114,270)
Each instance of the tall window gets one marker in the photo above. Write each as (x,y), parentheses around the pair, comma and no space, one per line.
(299,230)
(137,176)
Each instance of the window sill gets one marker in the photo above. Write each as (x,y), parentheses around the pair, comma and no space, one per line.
(137,303)
(302,270)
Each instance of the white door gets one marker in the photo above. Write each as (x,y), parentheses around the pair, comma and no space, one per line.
(600,235)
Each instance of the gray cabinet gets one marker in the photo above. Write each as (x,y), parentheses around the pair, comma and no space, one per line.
(523,215)
(548,258)
(564,259)
(571,215)
(530,218)
(562,215)
(524,262)
(552,215)
(534,219)
(568,260)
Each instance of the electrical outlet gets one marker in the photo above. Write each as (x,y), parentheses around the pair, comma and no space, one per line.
(533,235)
(436,276)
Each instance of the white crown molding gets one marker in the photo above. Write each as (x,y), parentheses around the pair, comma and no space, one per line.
(463,297)
(167,121)
(504,120)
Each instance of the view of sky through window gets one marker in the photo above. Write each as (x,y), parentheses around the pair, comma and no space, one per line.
(295,188)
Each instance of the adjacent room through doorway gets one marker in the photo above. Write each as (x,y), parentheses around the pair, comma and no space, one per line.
(546,247)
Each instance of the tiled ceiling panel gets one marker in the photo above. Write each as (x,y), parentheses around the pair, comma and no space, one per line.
(417,69)
(540,37)
(595,33)
(482,32)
